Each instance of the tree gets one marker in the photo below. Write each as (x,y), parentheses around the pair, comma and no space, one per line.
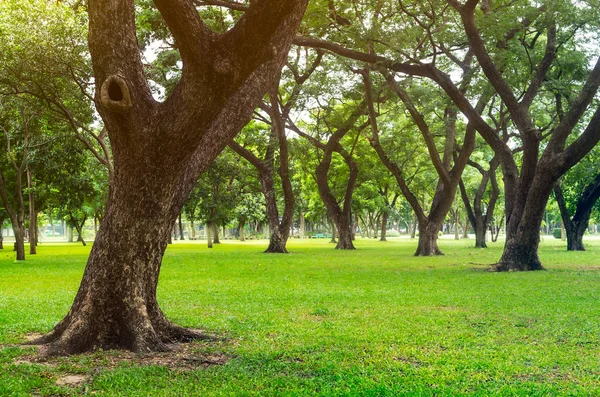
(479,219)
(539,48)
(577,193)
(338,212)
(159,150)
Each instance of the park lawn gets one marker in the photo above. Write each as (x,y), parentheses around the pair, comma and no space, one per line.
(374,322)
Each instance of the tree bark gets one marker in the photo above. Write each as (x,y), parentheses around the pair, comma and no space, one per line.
(384,222)
(428,236)
(215,232)
(159,151)
(180,224)
(209,240)
(241,225)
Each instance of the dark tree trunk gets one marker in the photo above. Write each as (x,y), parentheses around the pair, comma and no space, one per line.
(180,223)
(19,232)
(480,233)
(576,227)
(277,242)
(428,236)
(384,222)
(478,219)
(215,232)
(521,248)
(160,149)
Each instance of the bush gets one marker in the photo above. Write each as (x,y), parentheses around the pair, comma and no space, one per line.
(557,233)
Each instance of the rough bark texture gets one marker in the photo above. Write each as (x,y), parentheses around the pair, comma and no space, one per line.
(428,236)
(384,222)
(159,150)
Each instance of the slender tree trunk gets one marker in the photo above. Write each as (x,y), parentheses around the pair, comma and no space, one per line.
(241,229)
(181,237)
(384,222)
(456,225)
(333,232)
(32,216)
(19,233)
(192,229)
(413,231)
(215,232)
(466,228)
(208,231)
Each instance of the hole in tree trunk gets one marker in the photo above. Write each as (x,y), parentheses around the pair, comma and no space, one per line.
(114,92)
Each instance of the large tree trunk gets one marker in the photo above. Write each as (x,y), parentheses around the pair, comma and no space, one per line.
(480,233)
(277,242)
(523,232)
(160,149)
(428,236)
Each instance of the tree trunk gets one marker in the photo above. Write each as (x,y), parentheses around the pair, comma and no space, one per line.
(333,232)
(192,230)
(241,229)
(32,216)
(456,225)
(209,240)
(480,233)
(345,240)
(413,230)
(277,242)
(180,228)
(384,222)
(159,151)
(19,247)
(428,236)
(466,228)
(302,225)
(215,232)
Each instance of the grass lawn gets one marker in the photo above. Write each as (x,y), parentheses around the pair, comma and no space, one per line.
(373,322)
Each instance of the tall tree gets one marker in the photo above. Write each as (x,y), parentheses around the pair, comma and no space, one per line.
(159,150)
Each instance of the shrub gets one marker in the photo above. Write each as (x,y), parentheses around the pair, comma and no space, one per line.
(557,233)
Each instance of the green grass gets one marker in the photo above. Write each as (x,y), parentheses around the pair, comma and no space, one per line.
(373,322)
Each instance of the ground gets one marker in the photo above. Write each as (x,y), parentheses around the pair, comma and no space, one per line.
(376,321)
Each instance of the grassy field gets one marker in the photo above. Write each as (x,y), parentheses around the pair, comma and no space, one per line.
(374,322)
